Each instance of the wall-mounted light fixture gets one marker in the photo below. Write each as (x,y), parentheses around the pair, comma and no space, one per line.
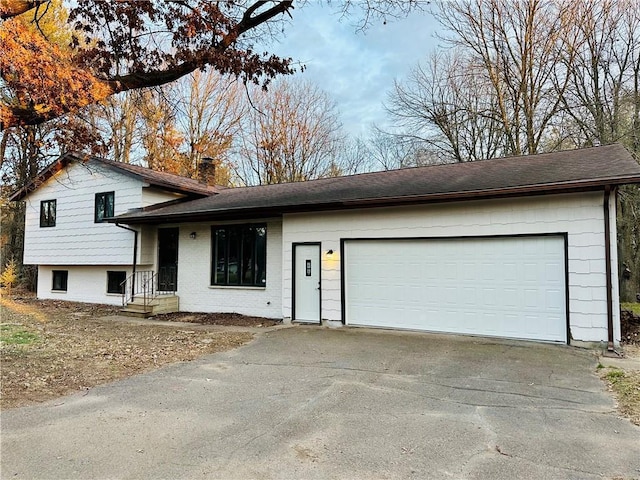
(192,235)
(329,252)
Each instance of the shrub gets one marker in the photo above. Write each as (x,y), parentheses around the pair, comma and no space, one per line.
(9,276)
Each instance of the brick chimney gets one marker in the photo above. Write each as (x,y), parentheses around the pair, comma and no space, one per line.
(207,171)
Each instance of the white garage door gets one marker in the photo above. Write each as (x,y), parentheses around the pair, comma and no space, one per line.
(502,286)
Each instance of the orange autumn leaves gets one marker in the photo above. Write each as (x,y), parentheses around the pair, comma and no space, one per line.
(41,78)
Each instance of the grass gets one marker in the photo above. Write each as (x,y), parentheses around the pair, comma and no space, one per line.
(16,335)
(626,386)
(632,307)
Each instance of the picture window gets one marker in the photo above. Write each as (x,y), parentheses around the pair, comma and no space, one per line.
(239,255)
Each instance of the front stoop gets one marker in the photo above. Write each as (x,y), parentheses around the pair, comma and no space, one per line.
(162,304)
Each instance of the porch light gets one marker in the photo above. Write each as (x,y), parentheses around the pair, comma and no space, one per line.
(329,252)
(192,235)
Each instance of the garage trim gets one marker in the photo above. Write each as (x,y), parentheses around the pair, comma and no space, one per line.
(563,235)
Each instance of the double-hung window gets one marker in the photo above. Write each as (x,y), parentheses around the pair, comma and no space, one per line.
(239,255)
(48,213)
(105,202)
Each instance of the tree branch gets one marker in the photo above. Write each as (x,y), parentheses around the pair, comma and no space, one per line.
(13,115)
(13,8)
(248,21)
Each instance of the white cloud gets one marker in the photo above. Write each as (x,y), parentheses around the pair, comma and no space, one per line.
(356,68)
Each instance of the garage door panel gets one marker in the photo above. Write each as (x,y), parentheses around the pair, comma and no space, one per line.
(507,286)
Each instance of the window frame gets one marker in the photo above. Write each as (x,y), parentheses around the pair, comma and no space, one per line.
(123,274)
(64,284)
(48,220)
(105,214)
(236,240)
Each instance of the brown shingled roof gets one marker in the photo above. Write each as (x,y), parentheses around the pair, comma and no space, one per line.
(573,170)
(163,180)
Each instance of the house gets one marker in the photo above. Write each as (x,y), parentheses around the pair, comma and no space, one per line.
(520,247)
(80,256)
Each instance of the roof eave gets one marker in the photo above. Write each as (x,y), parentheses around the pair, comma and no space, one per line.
(170,188)
(66,158)
(42,177)
(279,210)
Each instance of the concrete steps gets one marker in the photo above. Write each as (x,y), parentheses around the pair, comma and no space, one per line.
(161,304)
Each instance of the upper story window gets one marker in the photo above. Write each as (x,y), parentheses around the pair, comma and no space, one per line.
(48,213)
(239,255)
(104,206)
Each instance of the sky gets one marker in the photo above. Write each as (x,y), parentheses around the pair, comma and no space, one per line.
(356,68)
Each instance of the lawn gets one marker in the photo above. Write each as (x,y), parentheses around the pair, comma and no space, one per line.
(52,348)
(625,384)
(631,307)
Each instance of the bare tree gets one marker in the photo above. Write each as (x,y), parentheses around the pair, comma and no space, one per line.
(174,128)
(533,76)
(516,48)
(355,156)
(389,151)
(602,105)
(159,133)
(210,109)
(449,104)
(117,121)
(603,101)
(292,134)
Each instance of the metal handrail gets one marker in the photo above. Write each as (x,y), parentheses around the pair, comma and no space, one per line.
(142,283)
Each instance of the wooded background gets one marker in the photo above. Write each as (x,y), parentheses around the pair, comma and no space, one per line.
(166,84)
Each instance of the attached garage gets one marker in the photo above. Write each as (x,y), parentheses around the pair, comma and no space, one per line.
(506,286)
(514,247)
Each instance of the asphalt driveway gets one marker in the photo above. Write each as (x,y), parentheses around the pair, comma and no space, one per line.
(310,403)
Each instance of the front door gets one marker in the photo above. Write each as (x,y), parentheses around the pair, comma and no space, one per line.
(306,303)
(168,259)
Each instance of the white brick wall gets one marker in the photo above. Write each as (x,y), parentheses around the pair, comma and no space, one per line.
(194,274)
(580,215)
(148,241)
(84,283)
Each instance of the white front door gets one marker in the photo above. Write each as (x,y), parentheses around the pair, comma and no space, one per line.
(306,300)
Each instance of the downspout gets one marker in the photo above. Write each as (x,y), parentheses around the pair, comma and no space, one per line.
(135,253)
(607,259)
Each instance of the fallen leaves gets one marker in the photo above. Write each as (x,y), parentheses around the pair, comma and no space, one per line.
(76,350)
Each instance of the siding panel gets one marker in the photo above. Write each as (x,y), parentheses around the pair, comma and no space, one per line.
(579,215)
(76,239)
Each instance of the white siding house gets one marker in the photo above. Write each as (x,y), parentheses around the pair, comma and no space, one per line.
(76,253)
(76,239)
(578,216)
(521,247)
